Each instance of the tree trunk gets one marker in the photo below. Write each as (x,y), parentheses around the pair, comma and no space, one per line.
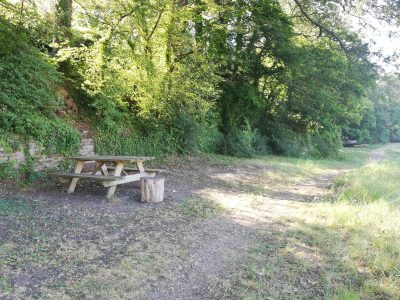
(64,16)
(152,189)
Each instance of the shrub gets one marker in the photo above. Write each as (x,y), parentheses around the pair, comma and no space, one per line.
(326,144)
(127,141)
(285,141)
(196,136)
(7,169)
(28,102)
(246,142)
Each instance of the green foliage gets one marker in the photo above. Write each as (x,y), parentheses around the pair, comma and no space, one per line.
(7,170)
(28,102)
(380,121)
(284,141)
(246,142)
(125,141)
(326,144)
(187,77)
(197,136)
(26,170)
(10,38)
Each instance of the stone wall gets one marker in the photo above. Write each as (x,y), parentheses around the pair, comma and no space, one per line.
(46,161)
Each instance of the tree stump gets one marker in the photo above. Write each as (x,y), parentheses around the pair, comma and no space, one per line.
(152,189)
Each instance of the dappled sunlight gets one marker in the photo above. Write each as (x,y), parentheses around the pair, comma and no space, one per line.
(328,244)
(250,209)
(242,231)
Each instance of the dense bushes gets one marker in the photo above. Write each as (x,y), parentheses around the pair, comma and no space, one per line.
(152,137)
(27,97)
(245,142)
(190,77)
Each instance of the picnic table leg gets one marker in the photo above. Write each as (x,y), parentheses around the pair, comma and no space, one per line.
(78,170)
(97,169)
(140,166)
(118,170)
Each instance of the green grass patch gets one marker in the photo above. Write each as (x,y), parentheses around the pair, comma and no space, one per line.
(362,220)
(347,157)
(346,246)
(8,207)
(373,183)
(201,207)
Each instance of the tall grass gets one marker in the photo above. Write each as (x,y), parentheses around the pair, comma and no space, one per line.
(366,209)
(353,233)
(372,183)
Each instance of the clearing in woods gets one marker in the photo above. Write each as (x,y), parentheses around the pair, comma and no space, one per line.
(229,228)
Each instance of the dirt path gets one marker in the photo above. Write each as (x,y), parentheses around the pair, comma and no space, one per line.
(59,247)
(209,273)
(227,238)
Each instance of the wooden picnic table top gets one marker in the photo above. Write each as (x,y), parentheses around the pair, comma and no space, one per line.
(111,158)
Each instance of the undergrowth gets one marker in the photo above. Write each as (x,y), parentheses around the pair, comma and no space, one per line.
(362,216)
(28,102)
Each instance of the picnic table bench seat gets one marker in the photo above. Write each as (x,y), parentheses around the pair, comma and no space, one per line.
(87,176)
(136,169)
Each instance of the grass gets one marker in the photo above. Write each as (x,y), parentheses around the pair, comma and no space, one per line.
(345,246)
(373,183)
(366,205)
(201,207)
(346,157)
(8,207)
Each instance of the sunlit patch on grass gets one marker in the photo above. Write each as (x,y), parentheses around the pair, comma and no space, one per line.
(345,248)
(361,220)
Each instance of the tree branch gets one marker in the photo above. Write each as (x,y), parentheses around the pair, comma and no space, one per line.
(156,24)
(321,27)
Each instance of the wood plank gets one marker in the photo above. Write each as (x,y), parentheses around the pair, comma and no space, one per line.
(136,169)
(104,169)
(111,158)
(127,179)
(140,166)
(74,181)
(87,176)
(118,170)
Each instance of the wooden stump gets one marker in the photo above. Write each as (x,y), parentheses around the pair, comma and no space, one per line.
(152,189)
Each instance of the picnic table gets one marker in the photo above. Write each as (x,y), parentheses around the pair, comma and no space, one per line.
(109,171)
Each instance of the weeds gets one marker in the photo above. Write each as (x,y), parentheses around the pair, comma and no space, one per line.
(200,207)
(7,170)
(8,207)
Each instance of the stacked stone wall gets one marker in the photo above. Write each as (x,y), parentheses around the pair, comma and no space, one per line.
(44,161)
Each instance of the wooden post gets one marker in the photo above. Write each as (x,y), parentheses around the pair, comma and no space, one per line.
(74,181)
(140,166)
(152,189)
(118,170)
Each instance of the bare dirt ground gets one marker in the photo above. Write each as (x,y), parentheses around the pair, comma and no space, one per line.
(194,245)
